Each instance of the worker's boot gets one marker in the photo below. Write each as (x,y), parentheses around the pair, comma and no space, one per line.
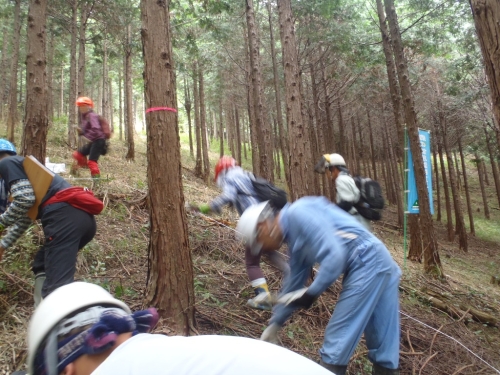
(37,295)
(380,370)
(336,369)
(262,299)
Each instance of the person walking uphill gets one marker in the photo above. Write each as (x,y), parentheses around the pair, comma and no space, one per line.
(318,231)
(66,228)
(348,193)
(92,129)
(238,191)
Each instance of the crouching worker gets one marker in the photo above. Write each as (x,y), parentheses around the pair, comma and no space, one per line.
(66,228)
(238,191)
(317,231)
(82,329)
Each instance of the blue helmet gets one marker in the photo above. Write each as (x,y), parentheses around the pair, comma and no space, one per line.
(6,146)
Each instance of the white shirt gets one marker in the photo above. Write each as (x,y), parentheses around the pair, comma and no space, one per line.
(154,354)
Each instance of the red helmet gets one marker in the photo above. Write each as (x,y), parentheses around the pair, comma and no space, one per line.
(224,163)
(83,100)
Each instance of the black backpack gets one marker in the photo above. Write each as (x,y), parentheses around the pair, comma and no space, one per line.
(266,191)
(371,200)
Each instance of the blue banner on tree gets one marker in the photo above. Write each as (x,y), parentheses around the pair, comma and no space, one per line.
(425,145)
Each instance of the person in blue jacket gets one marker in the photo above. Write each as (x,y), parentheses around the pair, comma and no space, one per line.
(318,231)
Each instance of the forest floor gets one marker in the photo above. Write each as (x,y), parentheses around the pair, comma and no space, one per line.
(434,340)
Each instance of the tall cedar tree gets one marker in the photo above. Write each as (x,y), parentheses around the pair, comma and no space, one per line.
(301,168)
(432,262)
(12,117)
(36,118)
(486,15)
(170,271)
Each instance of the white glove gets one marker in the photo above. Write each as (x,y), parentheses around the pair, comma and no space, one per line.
(270,334)
(292,296)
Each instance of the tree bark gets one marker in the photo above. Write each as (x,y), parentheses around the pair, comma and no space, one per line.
(120,103)
(72,113)
(170,272)
(238,135)
(436,179)
(457,202)
(372,146)
(129,96)
(449,220)
(466,187)
(480,171)
(486,15)
(198,169)
(187,106)
(36,116)
(203,127)
(264,135)
(494,164)
(432,261)
(282,136)
(82,41)
(301,169)
(16,33)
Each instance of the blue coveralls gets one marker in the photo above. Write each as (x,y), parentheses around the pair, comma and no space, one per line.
(317,231)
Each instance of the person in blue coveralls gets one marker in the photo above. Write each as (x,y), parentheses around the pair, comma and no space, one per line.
(317,231)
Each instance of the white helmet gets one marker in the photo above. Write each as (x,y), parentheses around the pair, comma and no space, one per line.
(246,230)
(334,160)
(58,305)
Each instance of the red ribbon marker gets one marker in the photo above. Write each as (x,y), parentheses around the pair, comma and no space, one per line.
(153,109)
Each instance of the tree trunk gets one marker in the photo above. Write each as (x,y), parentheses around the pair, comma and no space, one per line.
(50,78)
(392,76)
(436,180)
(4,90)
(198,169)
(341,137)
(187,106)
(170,272)
(372,146)
(449,220)
(480,172)
(457,168)
(320,128)
(432,261)
(203,128)
(120,103)
(282,136)
(494,165)
(457,202)
(82,40)
(263,127)
(129,95)
(61,93)
(251,113)
(238,135)
(16,33)
(486,15)
(301,169)
(72,113)
(416,248)
(105,88)
(466,187)
(221,130)
(36,119)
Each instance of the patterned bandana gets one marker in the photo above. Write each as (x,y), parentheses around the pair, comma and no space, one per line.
(104,329)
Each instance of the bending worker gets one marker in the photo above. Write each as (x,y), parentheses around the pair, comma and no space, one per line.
(317,231)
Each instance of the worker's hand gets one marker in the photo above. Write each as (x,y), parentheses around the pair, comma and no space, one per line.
(79,130)
(270,334)
(298,299)
(1,252)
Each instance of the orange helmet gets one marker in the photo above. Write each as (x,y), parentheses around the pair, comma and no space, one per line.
(224,163)
(83,100)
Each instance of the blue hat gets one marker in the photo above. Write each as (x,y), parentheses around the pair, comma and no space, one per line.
(6,146)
